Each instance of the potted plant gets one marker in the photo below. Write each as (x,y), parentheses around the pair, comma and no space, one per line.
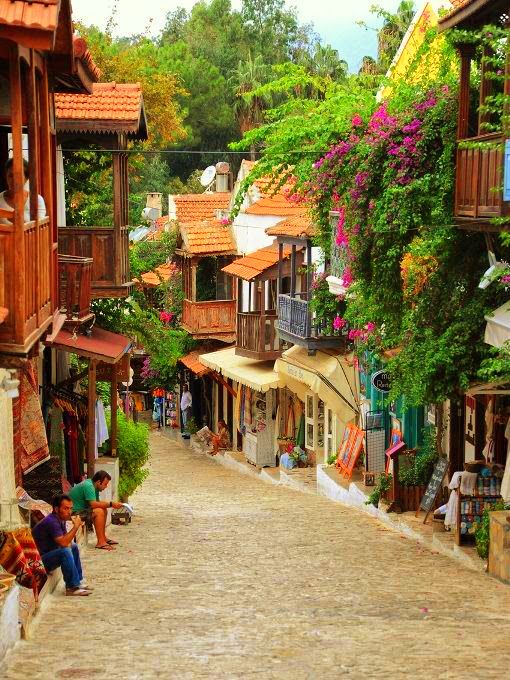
(299,456)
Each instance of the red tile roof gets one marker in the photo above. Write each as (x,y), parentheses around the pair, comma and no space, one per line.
(30,14)
(198,207)
(84,55)
(208,237)
(192,363)
(101,344)
(272,201)
(112,107)
(300,226)
(253,264)
(160,275)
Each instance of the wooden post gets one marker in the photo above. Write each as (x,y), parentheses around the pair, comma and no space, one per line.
(466,54)
(293,272)
(18,275)
(113,410)
(280,273)
(485,90)
(91,420)
(308,269)
(194,266)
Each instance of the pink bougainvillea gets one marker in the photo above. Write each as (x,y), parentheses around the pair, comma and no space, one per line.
(166,317)
(338,322)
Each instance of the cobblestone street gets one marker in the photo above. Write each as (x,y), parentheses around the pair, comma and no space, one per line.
(223,576)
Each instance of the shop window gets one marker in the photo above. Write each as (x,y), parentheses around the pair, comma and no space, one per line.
(314,422)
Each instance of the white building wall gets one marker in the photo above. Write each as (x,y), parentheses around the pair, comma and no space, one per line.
(7,479)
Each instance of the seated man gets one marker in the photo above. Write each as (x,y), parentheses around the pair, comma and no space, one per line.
(86,504)
(57,547)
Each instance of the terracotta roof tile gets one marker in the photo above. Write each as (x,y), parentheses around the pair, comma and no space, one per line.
(198,207)
(82,52)
(207,237)
(36,14)
(192,363)
(115,105)
(160,275)
(300,226)
(273,202)
(253,264)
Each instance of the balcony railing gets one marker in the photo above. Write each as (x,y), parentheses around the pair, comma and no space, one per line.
(257,335)
(26,283)
(74,288)
(109,251)
(478,193)
(297,324)
(211,319)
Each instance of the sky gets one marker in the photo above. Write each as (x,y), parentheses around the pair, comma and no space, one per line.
(334,20)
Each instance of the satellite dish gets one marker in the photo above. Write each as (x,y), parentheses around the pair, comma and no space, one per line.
(207,177)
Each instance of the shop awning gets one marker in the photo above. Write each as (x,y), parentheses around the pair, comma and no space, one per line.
(193,364)
(497,331)
(259,375)
(333,377)
(102,345)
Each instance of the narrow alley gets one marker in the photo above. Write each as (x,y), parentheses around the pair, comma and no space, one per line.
(223,576)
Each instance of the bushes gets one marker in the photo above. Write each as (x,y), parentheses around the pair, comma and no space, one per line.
(133,454)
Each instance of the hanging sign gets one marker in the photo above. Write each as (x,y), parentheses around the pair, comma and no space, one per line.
(506,180)
(381,381)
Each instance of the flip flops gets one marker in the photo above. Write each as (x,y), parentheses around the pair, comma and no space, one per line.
(104,547)
(111,542)
(77,592)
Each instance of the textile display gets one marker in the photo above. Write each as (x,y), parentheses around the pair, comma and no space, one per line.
(19,556)
(101,427)
(56,437)
(34,444)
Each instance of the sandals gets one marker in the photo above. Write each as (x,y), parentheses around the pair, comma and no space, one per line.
(111,542)
(104,547)
(77,592)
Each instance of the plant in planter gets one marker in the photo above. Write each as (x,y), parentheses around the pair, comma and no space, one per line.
(133,454)
(381,488)
(192,426)
(299,456)
(482,531)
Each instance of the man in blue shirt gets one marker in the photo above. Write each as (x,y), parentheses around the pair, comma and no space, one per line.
(57,546)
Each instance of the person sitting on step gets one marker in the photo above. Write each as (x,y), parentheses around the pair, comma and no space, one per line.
(86,504)
(57,545)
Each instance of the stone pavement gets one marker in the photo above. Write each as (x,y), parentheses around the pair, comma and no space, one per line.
(223,576)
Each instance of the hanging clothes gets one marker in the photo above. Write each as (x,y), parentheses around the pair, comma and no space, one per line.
(101,427)
(488,450)
(505,484)
(34,442)
(56,439)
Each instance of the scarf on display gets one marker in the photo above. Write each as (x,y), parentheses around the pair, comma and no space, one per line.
(19,556)
(34,444)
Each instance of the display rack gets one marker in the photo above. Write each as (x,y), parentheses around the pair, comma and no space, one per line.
(470,508)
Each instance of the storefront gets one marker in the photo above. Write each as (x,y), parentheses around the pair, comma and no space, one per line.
(256,402)
(327,386)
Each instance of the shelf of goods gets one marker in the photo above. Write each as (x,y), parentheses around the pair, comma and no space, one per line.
(471,508)
(258,445)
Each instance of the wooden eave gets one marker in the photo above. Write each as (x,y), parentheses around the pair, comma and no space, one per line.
(474,14)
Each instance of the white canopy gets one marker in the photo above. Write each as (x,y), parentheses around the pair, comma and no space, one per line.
(258,375)
(497,331)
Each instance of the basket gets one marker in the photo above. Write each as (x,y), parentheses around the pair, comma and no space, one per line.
(7,579)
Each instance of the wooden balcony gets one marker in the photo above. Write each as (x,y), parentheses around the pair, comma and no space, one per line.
(109,249)
(297,325)
(211,319)
(257,335)
(478,187)
(26,283)
(75,274)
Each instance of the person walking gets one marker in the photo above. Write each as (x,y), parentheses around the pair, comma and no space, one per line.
(186,409)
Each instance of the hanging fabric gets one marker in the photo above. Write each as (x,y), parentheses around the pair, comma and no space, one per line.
(101,426)
(34,443)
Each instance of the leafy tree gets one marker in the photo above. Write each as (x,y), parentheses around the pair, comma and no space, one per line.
(390,35)
(145,256)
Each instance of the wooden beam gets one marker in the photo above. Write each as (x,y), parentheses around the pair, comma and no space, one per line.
(113,412)
(221,381)
(91,420)
(486,87)
(293,273)
(466,55)
(18,275)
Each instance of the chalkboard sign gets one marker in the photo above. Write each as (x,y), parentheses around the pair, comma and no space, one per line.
(434,485)
(381,381)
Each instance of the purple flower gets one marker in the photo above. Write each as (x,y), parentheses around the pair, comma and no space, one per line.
(505,278)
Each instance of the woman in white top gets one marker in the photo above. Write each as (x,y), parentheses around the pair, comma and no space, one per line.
(7,197)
